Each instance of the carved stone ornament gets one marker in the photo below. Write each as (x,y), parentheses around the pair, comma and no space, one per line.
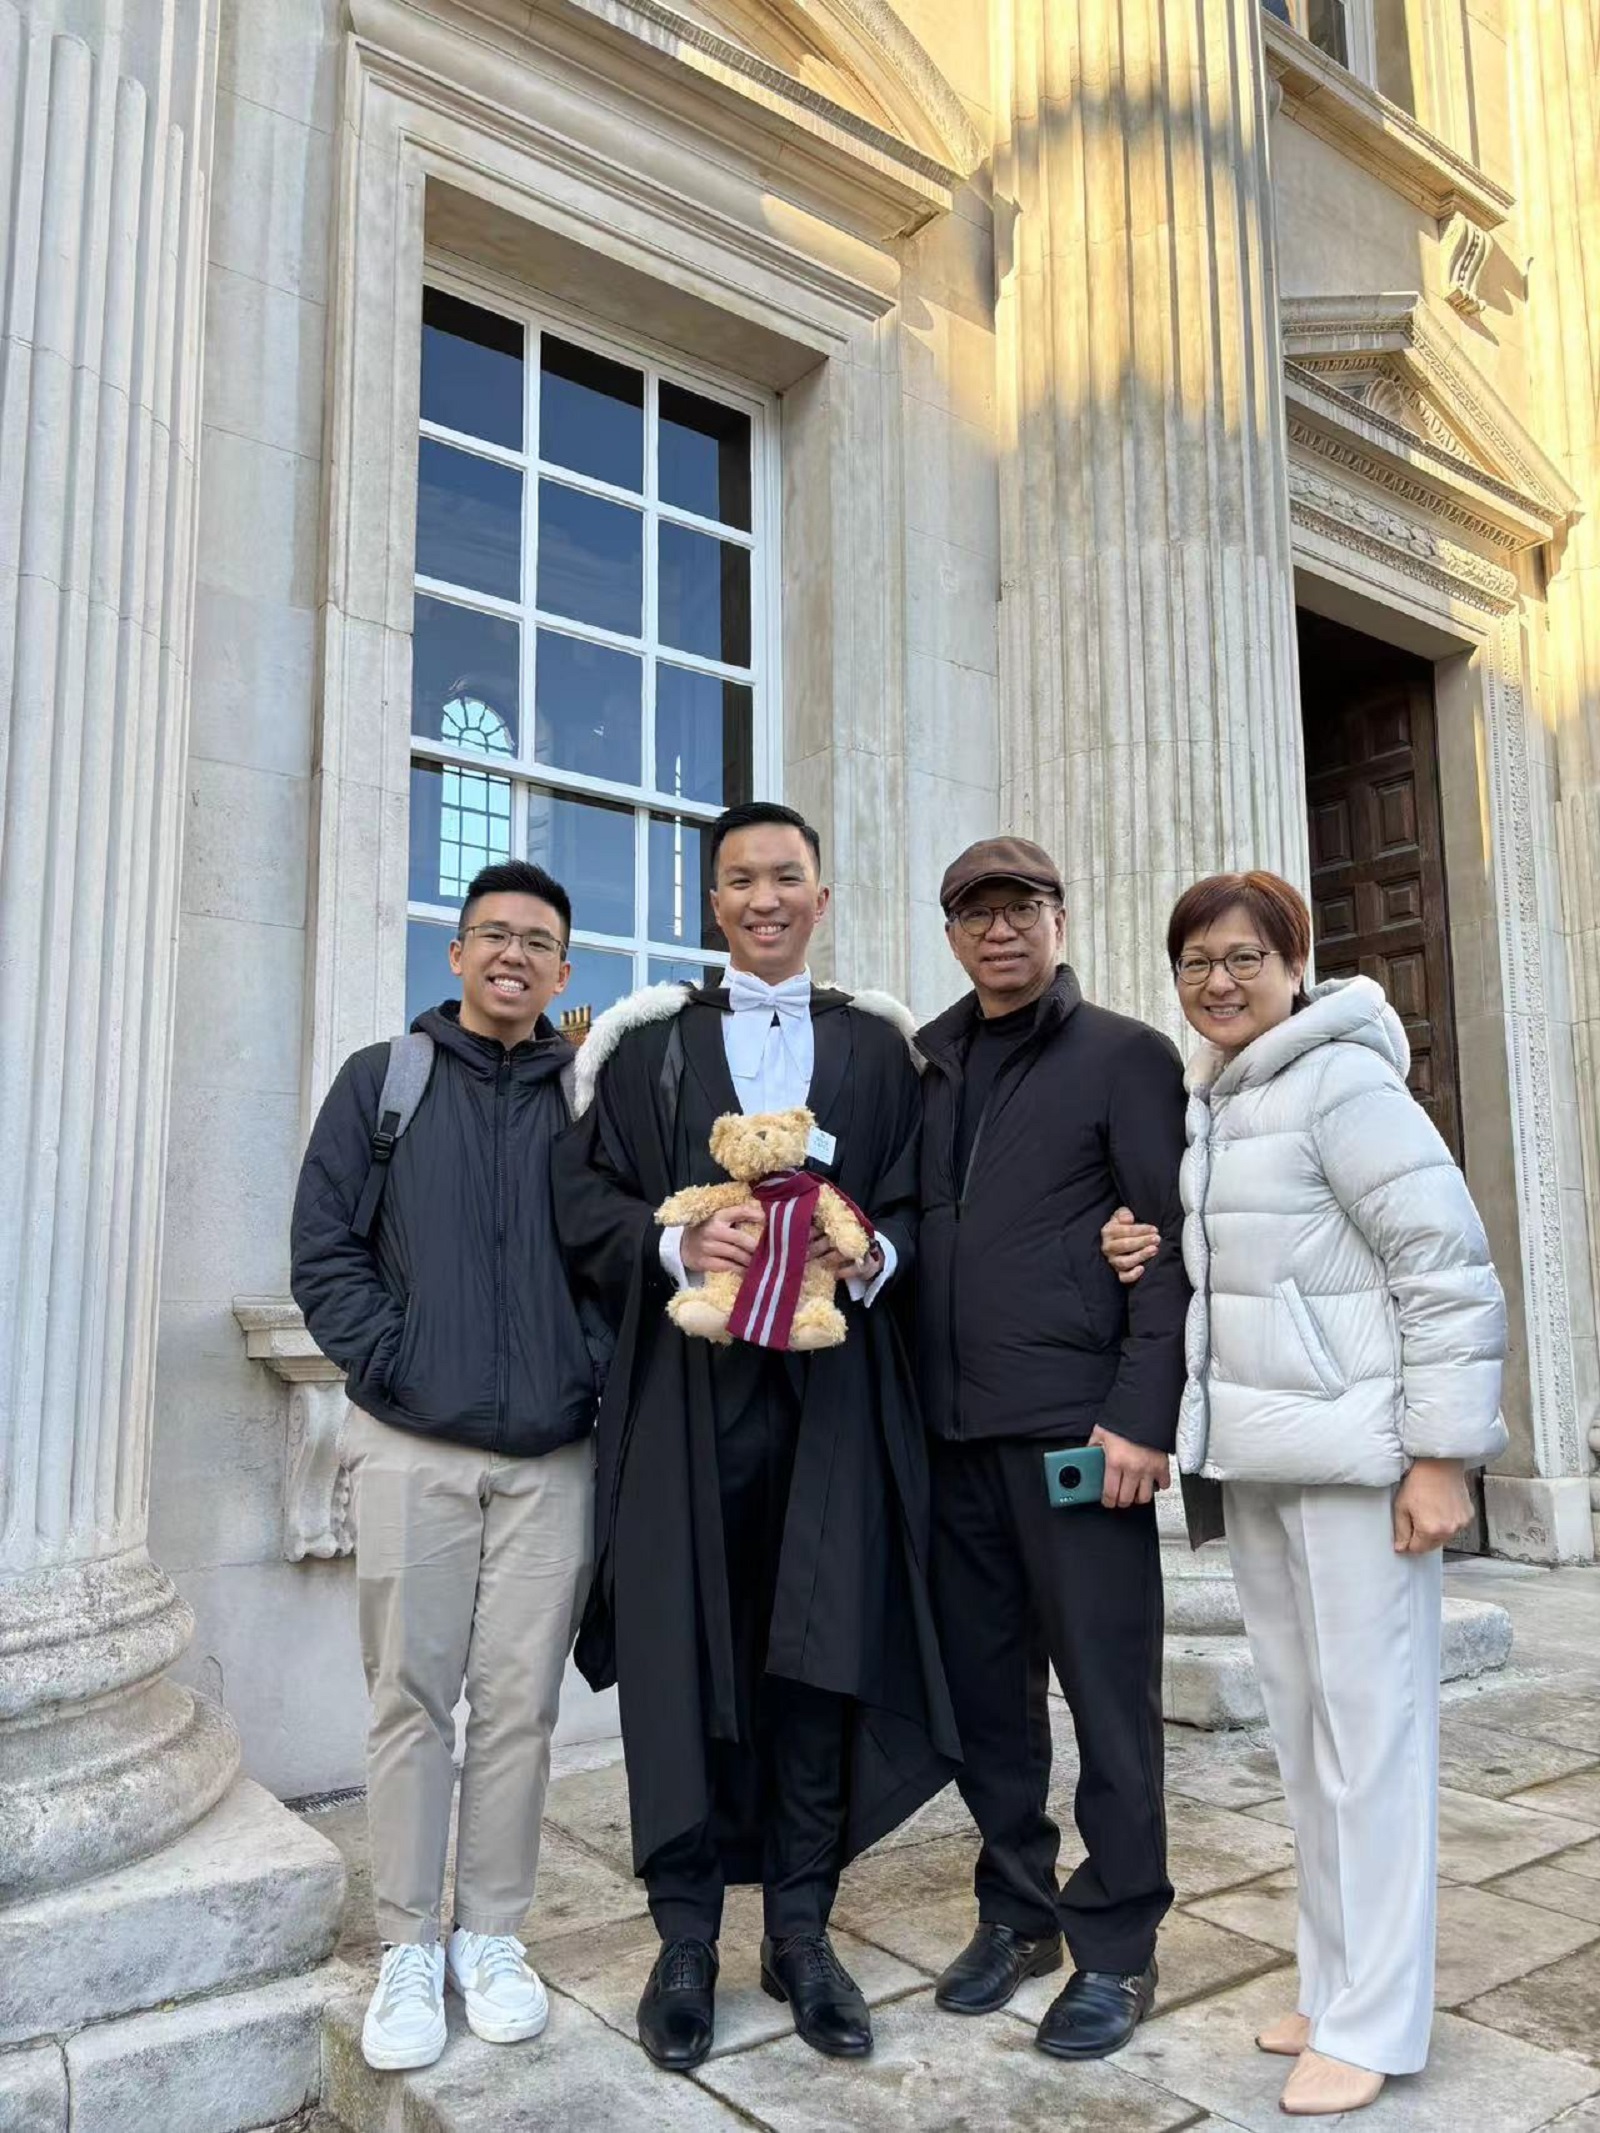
(317,1508)
(1403,544)
(1468,249)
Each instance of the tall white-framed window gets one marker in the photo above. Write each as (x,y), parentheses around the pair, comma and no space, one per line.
(594,649)
(1344,29)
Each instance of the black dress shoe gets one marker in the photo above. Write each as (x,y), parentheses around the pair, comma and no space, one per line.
(1095,2013)
(991,1967)
(829,2013)
(677,2015)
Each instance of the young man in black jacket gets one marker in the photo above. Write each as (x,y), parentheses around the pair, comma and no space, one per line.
(473,1399)
(1041,1114)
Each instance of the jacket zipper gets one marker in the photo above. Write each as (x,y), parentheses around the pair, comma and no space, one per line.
(962,1188)
(501,1336)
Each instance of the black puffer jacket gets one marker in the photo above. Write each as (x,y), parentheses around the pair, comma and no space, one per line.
(1023,1329)
(455,1320)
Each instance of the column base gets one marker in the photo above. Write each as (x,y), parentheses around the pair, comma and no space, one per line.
(1533,1519)
(185,1990)
(105,1759)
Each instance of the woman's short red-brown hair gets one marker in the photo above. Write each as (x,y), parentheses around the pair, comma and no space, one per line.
(1276,907)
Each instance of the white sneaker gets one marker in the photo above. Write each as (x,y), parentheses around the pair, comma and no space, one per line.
(405,2016)
(504,1998)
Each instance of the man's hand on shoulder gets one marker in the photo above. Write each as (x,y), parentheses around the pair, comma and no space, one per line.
(1133,1473)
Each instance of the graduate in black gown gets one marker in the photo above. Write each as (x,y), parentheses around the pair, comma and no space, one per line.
(760,1593)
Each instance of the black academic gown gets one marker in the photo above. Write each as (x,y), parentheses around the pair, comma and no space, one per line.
(851,1612)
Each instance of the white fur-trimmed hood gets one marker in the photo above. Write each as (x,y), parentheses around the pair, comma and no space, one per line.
(658,1003)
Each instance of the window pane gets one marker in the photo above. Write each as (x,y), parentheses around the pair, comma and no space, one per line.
(600,977)
(703,600)
(591,414)
(703,737)
(587,707)
(591,559)
(429,978)
(680,883)
(703,454)
(471,369)
(469,520)
(460,821)
(464,677)
(1325,26)
(588,847)
(663,972)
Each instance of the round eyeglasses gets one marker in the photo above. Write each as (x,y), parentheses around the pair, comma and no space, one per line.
(1242,964)
(1021,916)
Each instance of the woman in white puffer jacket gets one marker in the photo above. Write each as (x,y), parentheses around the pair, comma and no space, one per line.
(1344,1346)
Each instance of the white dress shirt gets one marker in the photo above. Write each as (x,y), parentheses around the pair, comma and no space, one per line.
(771,1052)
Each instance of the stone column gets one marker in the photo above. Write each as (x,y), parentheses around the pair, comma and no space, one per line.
(1559,98)
(105,139)
(1148,676)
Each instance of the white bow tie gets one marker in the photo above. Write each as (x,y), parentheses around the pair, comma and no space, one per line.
(768,1037)
(748,994)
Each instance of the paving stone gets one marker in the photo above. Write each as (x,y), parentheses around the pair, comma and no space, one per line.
(1557,2007)
(579,2073)
(925,2074)
(1582,1859)
(592,1805)
(1553,1888)
(1475,1756)
(1577,1796)
(1223,1769)
(1263,1911)
(1564,1708)
(1476,2078)
(33,2091)
(1478,1838)
(1216,1847)
(605,1970)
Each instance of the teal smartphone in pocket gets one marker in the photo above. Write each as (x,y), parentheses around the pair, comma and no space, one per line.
(1075,1476)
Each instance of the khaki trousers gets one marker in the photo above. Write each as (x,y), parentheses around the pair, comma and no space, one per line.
(471,1569)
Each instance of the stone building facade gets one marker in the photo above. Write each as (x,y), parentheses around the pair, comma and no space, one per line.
(438,428)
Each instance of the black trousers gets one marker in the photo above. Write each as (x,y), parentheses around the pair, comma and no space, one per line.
(1019,1587)
(785,1776)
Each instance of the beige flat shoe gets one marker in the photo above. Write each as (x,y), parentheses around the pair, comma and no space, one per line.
(1286,2038)
(1321,2088)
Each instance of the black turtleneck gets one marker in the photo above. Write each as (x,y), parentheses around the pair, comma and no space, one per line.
(994,1038)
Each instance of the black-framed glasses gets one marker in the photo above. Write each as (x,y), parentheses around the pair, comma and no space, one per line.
(1021,916)
(1241,964)
(497,938)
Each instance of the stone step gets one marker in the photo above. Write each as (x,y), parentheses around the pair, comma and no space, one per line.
(250,1893)
(1209,1681)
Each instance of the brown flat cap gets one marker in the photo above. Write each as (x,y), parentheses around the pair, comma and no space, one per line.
(1000,859)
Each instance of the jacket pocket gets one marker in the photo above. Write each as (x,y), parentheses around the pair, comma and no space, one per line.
(394,1375)
(1311,1339)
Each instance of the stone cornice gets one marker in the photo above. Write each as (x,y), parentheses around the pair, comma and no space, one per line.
(1329,336)
(805,145)
(275,1334)
(1330,102)
(1404,547)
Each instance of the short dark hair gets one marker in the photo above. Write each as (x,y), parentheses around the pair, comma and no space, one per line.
(750,814)
(518,877)
(1277,910)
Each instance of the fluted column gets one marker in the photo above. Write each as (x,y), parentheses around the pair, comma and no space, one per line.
(1557,50)
(1148,673)
(105,134)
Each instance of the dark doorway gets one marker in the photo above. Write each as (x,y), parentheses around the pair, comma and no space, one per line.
(1377,851)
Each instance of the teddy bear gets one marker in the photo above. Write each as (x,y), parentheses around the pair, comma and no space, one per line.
(784,1299)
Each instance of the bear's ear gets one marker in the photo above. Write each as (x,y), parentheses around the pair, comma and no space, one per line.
(723,1131)
(800,1118)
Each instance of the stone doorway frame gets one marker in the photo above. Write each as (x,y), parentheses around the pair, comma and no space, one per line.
(1418,507)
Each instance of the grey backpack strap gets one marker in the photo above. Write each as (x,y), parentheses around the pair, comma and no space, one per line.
(405,1083)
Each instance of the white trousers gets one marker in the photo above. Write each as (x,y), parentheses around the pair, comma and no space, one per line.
(1345,1637)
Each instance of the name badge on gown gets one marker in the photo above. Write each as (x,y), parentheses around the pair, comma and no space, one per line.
(821,1147)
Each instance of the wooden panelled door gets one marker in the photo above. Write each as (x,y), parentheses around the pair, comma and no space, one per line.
(1377,850)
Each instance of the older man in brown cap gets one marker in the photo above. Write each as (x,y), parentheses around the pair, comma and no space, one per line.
(1041,1114)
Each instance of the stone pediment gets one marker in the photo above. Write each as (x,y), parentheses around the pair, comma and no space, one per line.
(1375,387)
